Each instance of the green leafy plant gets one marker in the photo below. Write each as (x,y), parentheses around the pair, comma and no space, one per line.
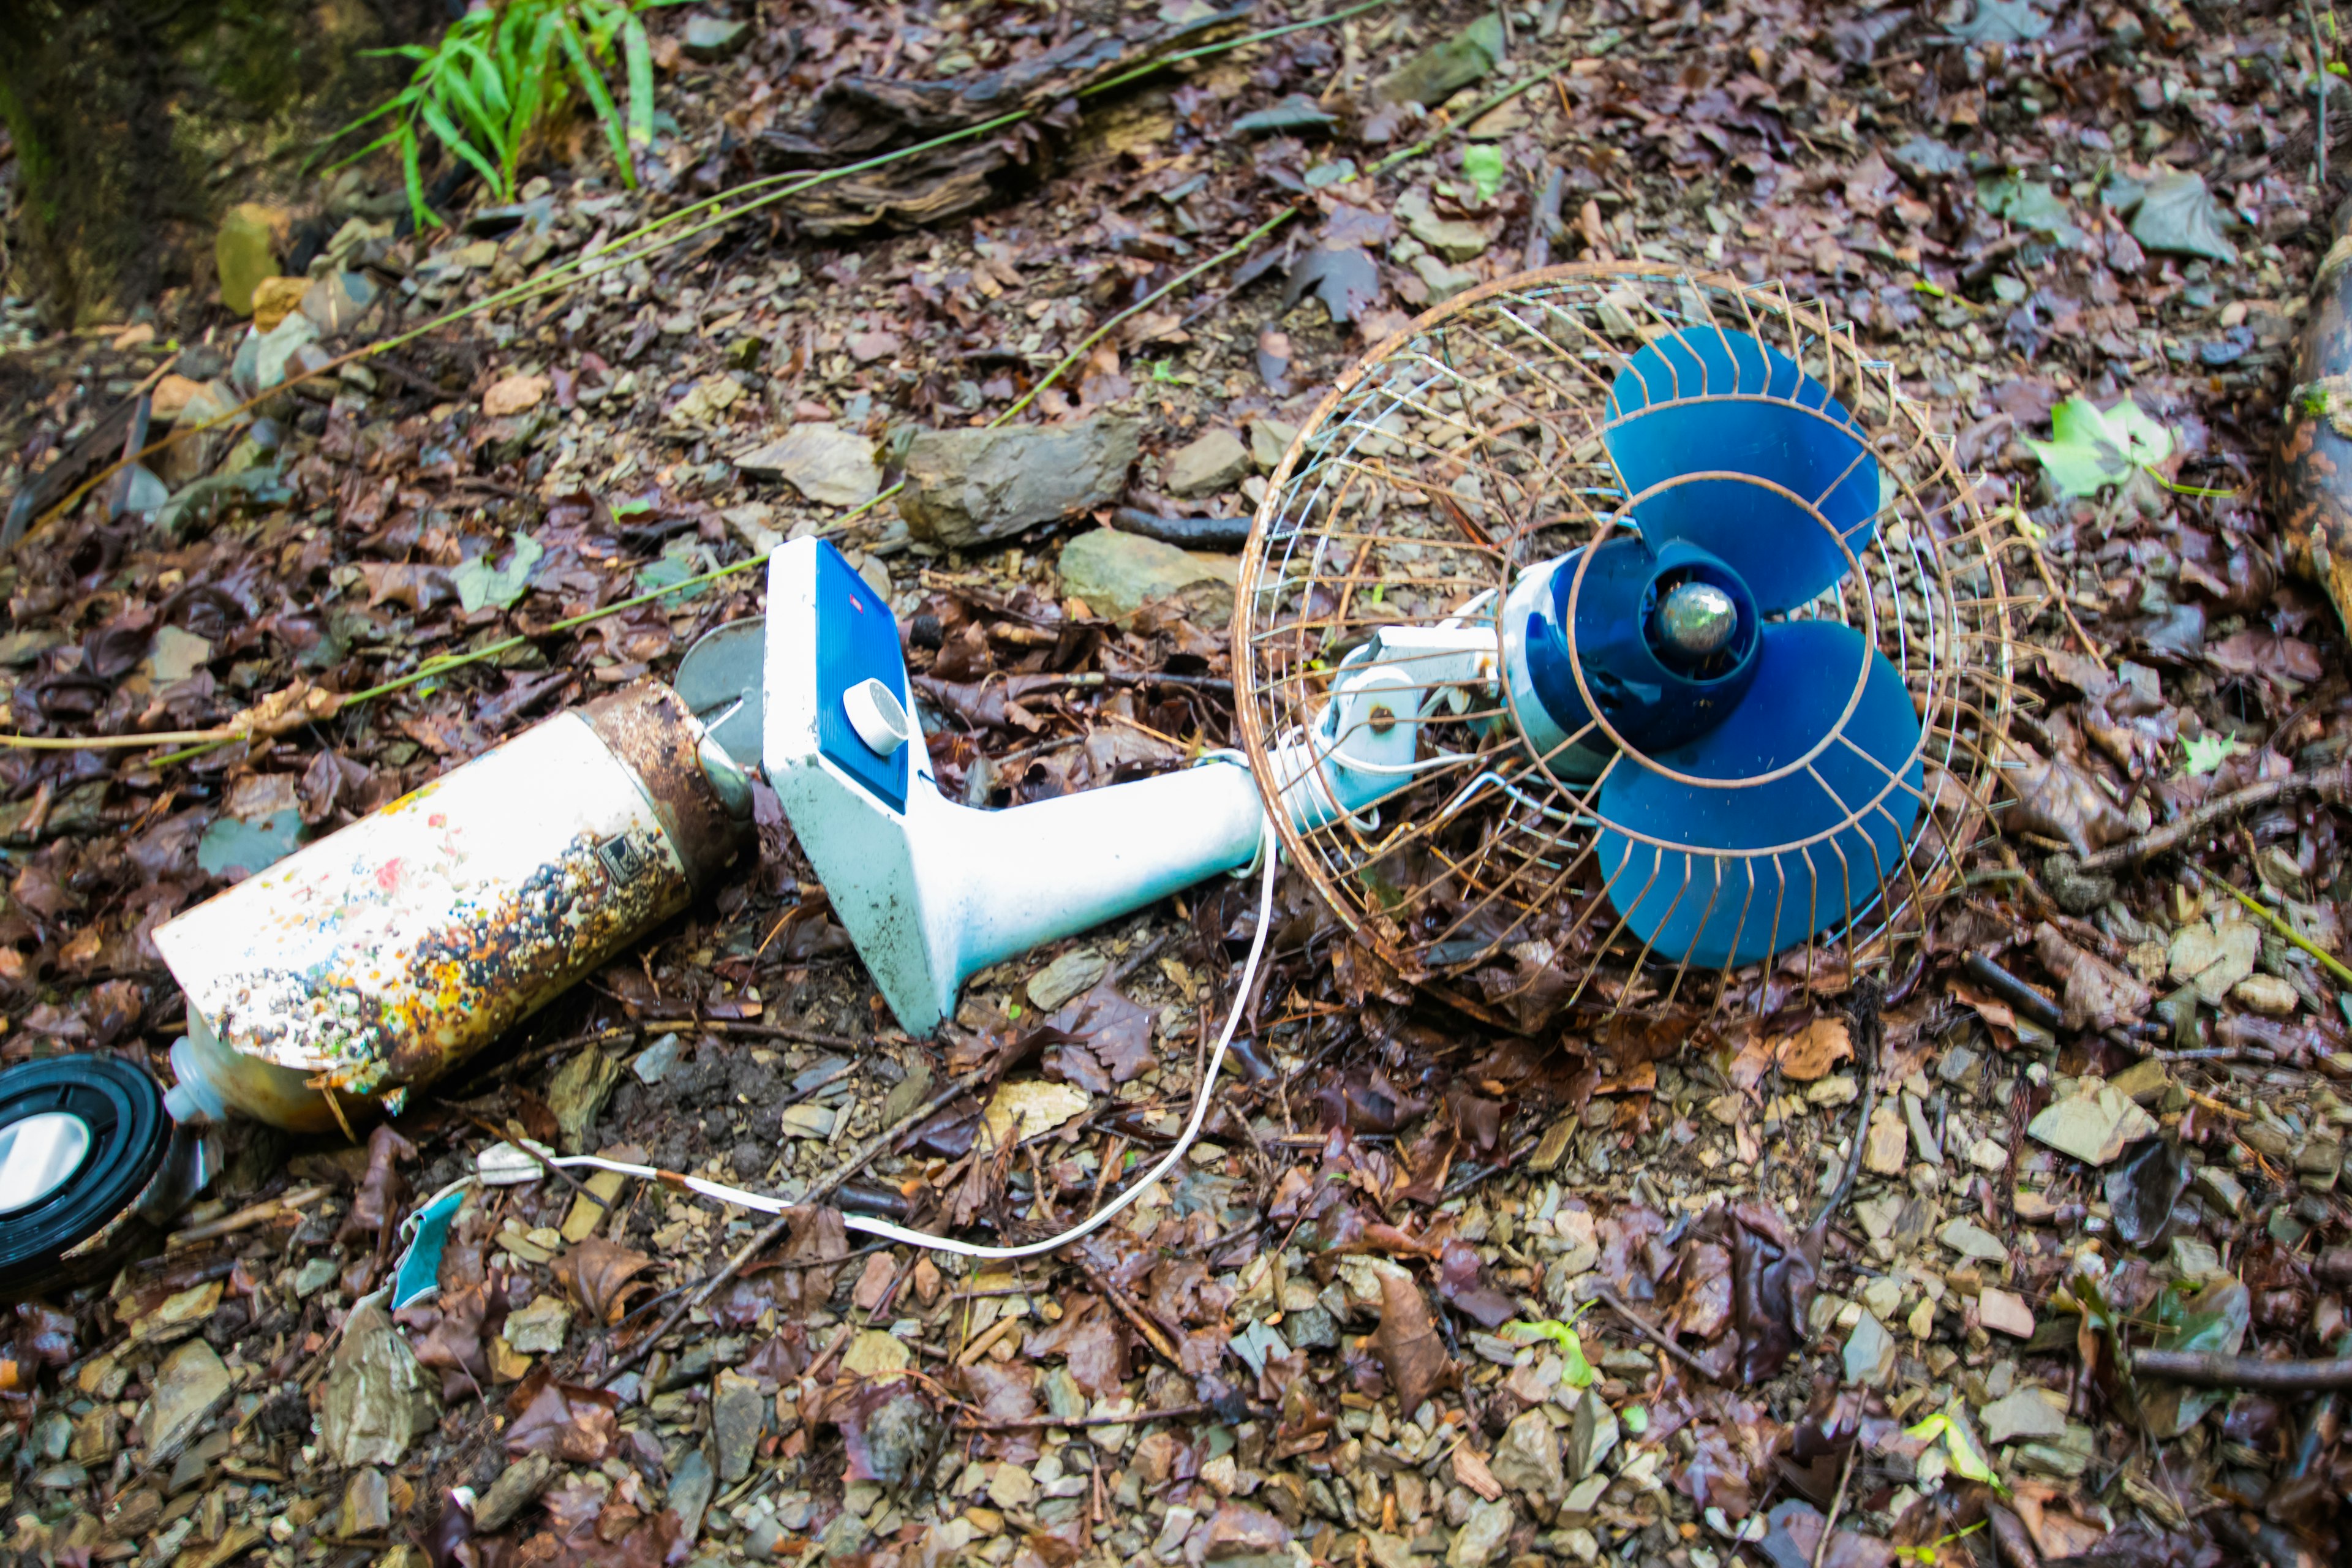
(1483,164)
(2206,753)
(1578,1372)
(501,73)
(1965,1458)
(2090,451)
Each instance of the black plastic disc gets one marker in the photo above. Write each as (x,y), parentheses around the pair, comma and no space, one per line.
(122,1109)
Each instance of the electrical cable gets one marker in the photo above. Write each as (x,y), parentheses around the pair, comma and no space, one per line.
(764,1204)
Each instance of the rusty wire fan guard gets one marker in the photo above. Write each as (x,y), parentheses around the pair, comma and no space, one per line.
(1465,450)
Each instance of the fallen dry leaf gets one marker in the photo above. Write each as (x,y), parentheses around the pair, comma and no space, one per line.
(2058,800)
(601,1275)
(573,1423)
(1407,1343)
(1811,1051)
(1026,1108)
(513,394)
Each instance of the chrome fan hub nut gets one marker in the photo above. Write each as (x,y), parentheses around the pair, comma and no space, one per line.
(1697,618)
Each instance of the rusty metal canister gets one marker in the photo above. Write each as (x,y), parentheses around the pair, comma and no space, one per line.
(377,959)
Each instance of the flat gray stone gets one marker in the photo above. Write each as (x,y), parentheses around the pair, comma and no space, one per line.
(655,1062)
(538,1329)
(966,487)
(1269,439)
(1444,282)
(2213,958)
(376,1399)
(1970,1239)
(2026,1413)
(276,349)
(335,303)
(1869,1353)
(2222,1189)
(1482,1535)
(518,1486)
(709,38)
(690,1486)
(739,1415)
(825,463)
(1075,970)
(1527,1458)
(1456,239)
(1213,461)
(192,1380)
(2093,1126)
(1117,573)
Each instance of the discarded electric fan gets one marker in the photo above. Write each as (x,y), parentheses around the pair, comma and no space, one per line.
(1631,623)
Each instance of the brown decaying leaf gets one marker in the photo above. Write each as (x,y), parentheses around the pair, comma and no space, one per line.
(1113,1026)
(1706,1289)
(573,1423)
(2058,800)
(601,1275)
(375,1207)
(1809,1053)
(2098,995)
(1772,1290)
(1406,1341)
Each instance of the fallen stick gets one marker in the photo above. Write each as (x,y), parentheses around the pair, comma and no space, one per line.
(2333,784)
(2020,996)
(2207,1370)
(246,1218)
(1652,1334)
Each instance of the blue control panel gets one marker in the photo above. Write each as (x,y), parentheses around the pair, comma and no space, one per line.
(857,641)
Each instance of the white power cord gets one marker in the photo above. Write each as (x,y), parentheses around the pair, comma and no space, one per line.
(765,1203)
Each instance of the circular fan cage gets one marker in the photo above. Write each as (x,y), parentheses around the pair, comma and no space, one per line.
(1547,414)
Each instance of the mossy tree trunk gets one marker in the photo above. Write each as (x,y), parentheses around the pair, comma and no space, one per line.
(137,123)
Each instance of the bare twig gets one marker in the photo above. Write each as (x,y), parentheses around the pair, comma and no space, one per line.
(2333,784)
(2021,997)
(1651,1332)
(2210,1371)
(1837,1505)
(1868,1032)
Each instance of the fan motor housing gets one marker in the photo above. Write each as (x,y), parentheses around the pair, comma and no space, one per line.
(1651,690)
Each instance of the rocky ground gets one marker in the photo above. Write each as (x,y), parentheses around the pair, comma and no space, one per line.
(1429,1290)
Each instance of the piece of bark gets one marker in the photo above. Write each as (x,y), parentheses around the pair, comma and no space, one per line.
(859,118)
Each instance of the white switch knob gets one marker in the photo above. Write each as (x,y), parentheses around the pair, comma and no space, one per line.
(878,716)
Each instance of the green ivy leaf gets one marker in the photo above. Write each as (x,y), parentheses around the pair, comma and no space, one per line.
(2090,451)
(1483,161)
(1578,1373)
(1967,1460)
(2206,753)
(478,584)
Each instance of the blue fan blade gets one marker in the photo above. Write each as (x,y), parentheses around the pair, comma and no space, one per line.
(1711,400)
(1730,909)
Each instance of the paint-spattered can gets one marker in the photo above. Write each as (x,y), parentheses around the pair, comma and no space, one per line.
(372,962)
